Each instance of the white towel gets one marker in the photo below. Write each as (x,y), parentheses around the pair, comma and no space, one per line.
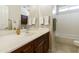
(33,20)
(30,21)
(41,20)
(46,20)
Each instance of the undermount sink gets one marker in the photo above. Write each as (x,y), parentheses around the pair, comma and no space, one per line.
(27,32)
(6,32)
(30,31)
(76,42)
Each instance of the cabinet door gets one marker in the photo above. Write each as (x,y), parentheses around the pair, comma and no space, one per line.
(28,48)
(41,44)
(39,48)
(46,46)
(46,42)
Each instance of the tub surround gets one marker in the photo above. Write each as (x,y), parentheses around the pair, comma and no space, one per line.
(12,41)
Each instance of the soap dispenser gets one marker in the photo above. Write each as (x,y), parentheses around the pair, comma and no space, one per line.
(18,31)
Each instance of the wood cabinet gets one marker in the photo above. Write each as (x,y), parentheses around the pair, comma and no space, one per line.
(39,45)
(39,48)
(27,48)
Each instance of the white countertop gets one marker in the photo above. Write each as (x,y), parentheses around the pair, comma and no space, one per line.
(11,42)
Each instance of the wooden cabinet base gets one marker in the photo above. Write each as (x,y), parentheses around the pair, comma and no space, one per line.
(39,45)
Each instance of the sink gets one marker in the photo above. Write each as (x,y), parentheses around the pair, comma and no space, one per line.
(76,42)
(26,33)
(6,32)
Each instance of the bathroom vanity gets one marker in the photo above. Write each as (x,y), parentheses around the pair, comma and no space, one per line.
(38,45)
(33,41)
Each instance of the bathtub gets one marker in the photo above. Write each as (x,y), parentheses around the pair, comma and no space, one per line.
(67,38)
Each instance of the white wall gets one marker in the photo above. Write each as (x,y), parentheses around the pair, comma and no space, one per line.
(68,24)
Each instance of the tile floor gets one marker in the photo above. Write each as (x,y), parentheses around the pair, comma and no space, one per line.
(65,47)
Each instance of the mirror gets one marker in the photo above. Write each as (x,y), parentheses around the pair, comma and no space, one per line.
(3,17)
(24,16)
(9,17)
(12,16)
(18,16)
